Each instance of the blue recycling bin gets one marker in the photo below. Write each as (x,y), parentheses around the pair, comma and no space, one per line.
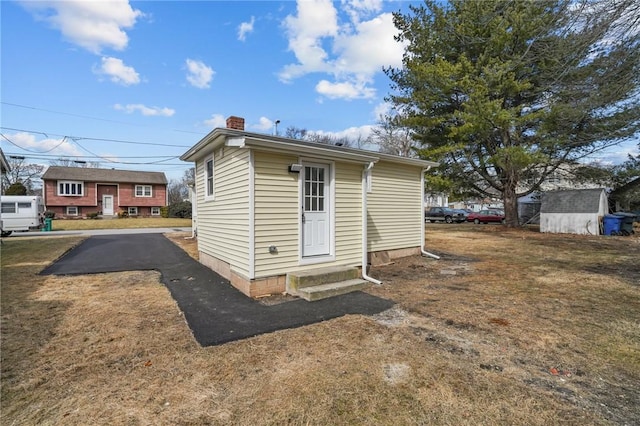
(612,224)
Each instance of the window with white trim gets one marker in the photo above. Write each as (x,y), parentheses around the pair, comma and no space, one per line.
(155,211)
(209,181)
(143,190)
(133,211)
(72,211)
(70,188)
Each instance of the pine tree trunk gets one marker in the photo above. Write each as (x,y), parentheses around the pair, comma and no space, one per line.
(510,205)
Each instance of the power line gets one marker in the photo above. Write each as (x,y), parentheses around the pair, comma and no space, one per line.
(94,139)
(155,163)
(90,156)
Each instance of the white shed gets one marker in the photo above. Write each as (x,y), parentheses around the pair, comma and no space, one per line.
(577,211)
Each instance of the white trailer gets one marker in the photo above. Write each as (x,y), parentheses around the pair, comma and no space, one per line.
(20,213)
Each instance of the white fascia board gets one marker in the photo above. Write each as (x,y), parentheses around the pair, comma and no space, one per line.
(235,142)
(204,147)
(408,161)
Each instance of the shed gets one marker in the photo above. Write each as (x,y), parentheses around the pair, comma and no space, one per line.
(577,211)
(274,212)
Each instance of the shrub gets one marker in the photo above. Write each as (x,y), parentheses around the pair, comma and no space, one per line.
(49,214)
(164,211)
(93,215)
(122,214)
(16,188)
(181,209)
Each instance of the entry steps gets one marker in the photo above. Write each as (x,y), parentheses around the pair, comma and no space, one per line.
(321,283)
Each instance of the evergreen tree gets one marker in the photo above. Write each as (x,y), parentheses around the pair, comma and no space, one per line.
(502,92)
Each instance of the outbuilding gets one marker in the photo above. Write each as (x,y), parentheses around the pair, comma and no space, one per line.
(578,211)
(278,214)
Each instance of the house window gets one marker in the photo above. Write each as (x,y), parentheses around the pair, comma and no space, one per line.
(155,211)
(209,177)
(70,188)
(143,190)
(72,211)
(8,207)
(133,211)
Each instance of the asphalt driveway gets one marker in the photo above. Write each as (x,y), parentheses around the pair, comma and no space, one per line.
(215,311)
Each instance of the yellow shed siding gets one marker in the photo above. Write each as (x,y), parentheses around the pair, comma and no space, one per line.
(223,223)
(348,221)
(394,207)
(277,215)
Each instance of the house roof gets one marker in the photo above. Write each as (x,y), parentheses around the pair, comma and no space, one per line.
(4,164)
(103,175)
(241,138)
(572,201)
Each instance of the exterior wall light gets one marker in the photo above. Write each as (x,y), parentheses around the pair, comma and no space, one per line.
(295,168)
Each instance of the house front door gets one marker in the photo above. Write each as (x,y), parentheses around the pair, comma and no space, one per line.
(107,205)
(316,223)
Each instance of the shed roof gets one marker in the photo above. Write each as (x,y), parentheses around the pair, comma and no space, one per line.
(572,201)
(279,144)
(103,175)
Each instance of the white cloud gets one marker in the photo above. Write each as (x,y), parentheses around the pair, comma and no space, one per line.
(370,48)
(145,110)
(351,53)
(352,133)
(382,109)
(117,71)
(264,124)
(344,90)
(357,8)
(216,120)
(245,28)
(315,20)
(199,74)
(28,142)
(92,25)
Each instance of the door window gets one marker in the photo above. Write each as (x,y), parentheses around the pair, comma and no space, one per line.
(314,189)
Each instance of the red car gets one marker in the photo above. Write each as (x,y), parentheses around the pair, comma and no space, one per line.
(486,216)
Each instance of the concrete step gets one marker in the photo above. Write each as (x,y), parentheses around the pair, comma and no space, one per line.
(318,276)
(323,291)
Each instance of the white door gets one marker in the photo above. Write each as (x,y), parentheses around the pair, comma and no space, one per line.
(107,205)
(315,210)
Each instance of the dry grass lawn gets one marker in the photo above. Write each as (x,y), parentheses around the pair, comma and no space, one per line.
(509,327)
(120,223)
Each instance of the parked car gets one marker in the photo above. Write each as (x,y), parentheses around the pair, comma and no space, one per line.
(463,212)
(486,216)
(443,214)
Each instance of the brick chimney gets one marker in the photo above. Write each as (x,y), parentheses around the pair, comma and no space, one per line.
(236,123)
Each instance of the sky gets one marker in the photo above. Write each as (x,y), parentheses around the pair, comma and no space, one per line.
(133,84)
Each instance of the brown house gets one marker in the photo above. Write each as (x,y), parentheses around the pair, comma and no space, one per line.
(78,191)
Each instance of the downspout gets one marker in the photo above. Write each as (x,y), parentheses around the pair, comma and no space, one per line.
(194,210)
(364,226)
(422,248)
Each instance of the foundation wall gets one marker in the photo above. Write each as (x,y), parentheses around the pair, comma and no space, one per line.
(277,284)
(253,288)
(384,257)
